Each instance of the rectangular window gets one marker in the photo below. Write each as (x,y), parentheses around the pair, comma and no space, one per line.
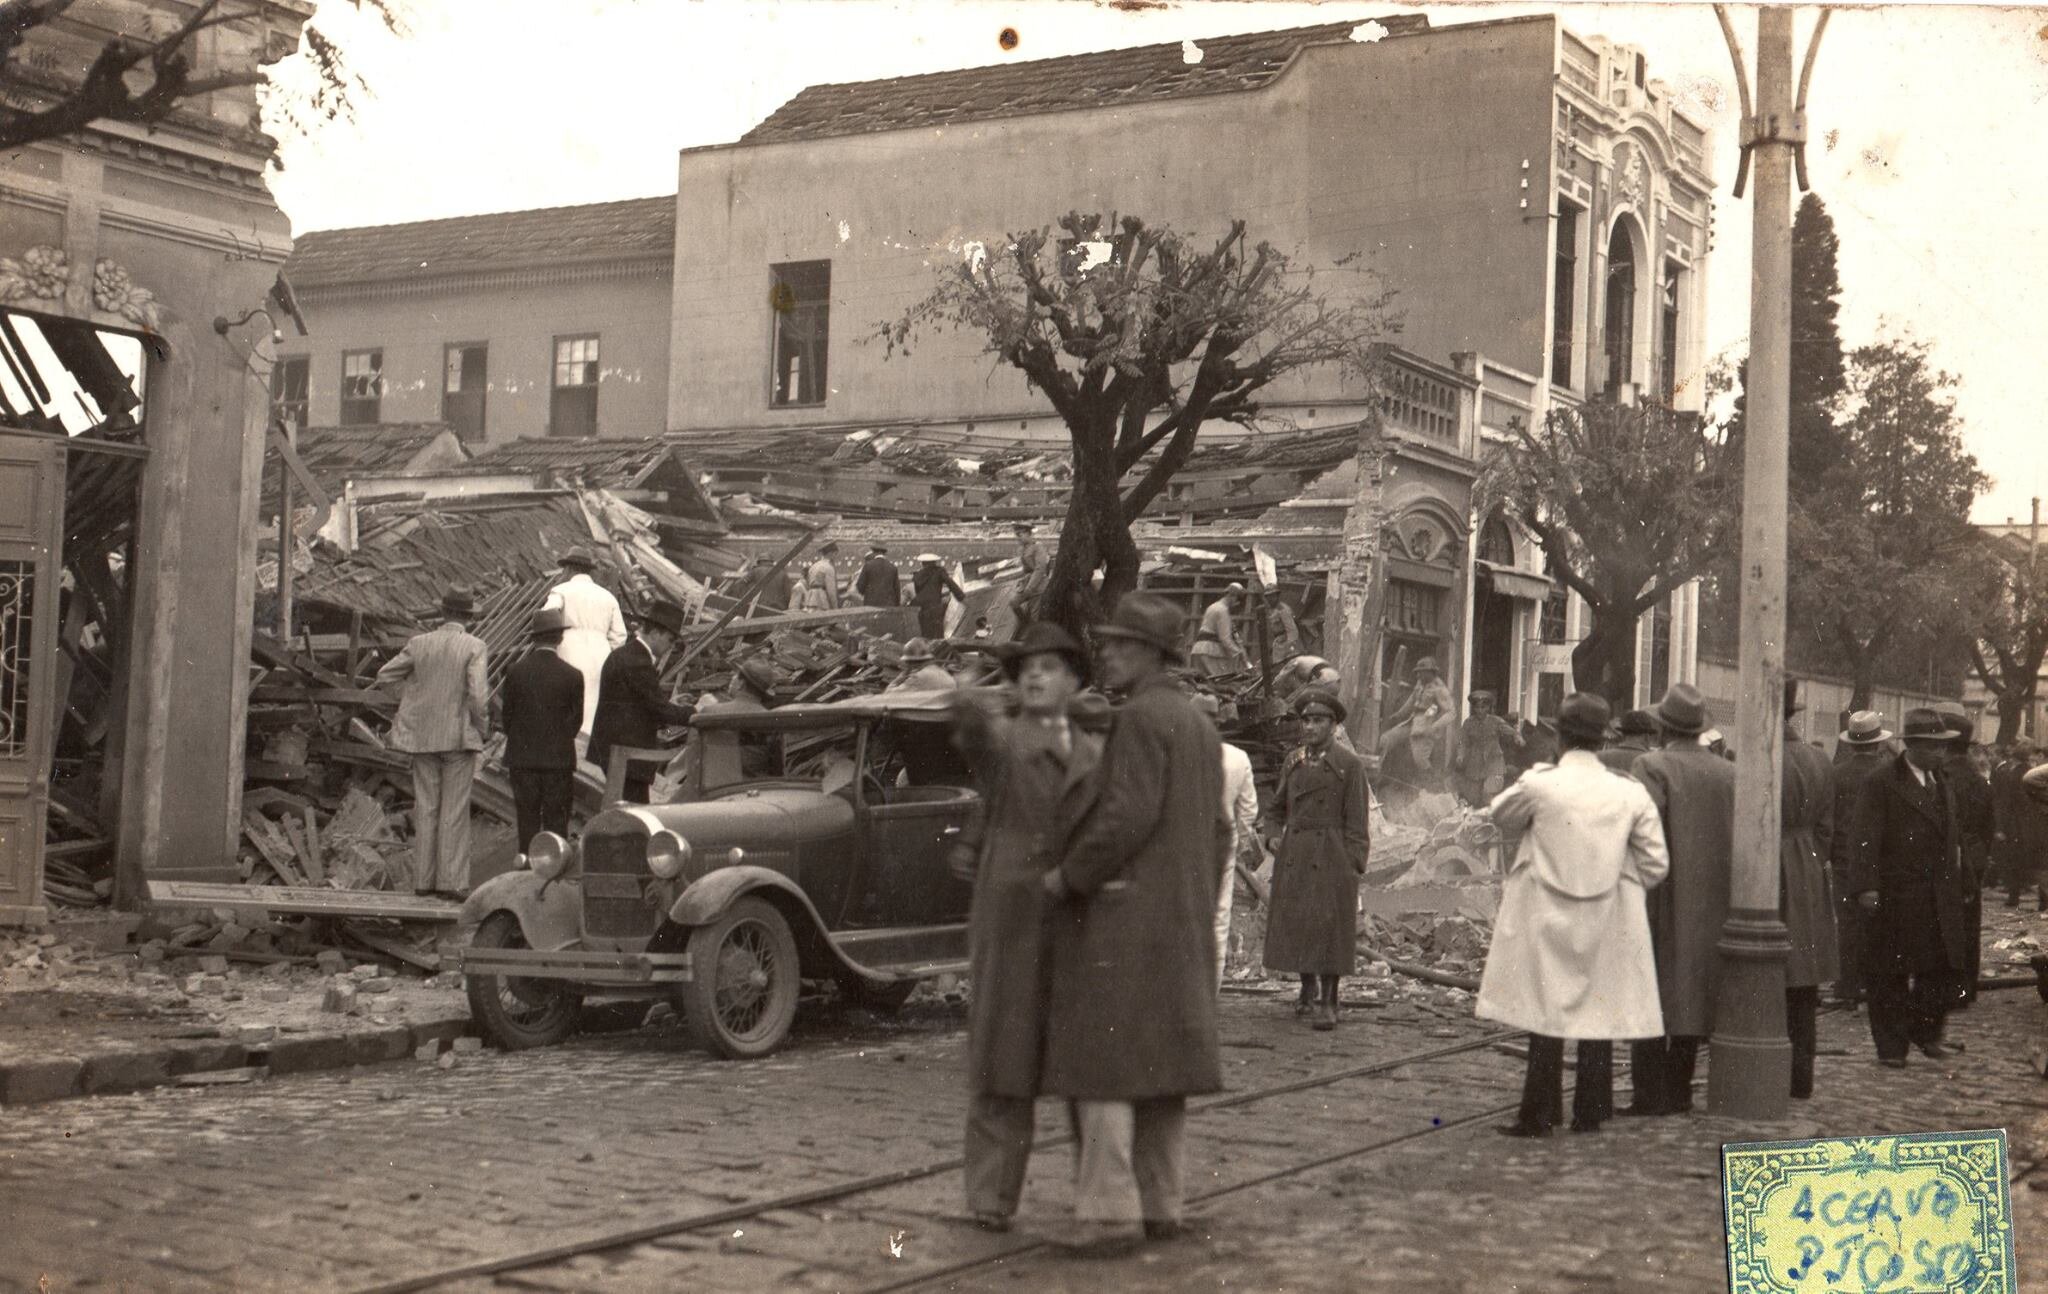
(1667,358)
(290,382)
(362,387)
(465,367)
(799,296)
(572,410)
(1564,295)
(1551,621)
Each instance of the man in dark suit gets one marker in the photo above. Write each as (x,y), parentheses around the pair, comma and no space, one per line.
(631,706)
(878,583)
(543,700)
(1905,869)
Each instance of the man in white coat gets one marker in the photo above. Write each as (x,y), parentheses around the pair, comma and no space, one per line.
(1571,953)
(594,628)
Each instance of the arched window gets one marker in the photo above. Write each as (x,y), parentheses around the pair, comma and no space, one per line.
(1621,307)
(1495,544)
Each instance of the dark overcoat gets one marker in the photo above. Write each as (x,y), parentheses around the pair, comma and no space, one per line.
(631,705)
(1694,791)
(1320,808)
(1806,828)
(1030,787)
(1851,768)
(878,584)
(543,711)
(1134,944)
(1975,825)
(1904,846)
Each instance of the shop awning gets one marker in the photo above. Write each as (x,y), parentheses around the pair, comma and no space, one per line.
(1401,568)
(1516,584)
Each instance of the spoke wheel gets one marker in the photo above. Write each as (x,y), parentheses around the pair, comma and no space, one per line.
(519,1013)
(744,980)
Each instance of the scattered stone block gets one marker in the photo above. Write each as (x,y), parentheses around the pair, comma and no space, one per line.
(469,1044)
(340,996)
(447,1060)
(212,985)
(274,993)
(213,964)
(382,984)
(428,1050)
(125,1071)
(365,971)
(34,1081)
(194,985)
(151,953)
(257,1035)
(331,961)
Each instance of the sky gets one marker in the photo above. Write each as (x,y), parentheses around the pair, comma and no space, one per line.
(1926,123)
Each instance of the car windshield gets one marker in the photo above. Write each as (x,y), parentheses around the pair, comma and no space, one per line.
(824,756)
(903,753)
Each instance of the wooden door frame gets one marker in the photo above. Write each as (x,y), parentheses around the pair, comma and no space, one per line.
(39,542)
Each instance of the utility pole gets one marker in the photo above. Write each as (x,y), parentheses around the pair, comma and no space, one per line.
(1361,582)
(1750,1074)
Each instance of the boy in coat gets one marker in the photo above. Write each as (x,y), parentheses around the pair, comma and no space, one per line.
(1571,948)
(543,700)
(1033,771)
(443,710)
(631,707)
(1319,809)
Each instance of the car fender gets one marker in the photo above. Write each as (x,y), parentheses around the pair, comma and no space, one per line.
(550,913)
(705,900)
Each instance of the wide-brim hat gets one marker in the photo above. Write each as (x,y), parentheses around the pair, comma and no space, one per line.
(1147,618)
(1683,711)
(578,558)
(1427,665)
(1866,728)
(457,602)
(1584,715)
(1309,696)
(917,652)
(1923,724)
(1962,729)
(547,620)
(1040,639)
(665,615)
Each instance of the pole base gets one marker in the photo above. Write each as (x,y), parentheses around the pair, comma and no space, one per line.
(1749,1075)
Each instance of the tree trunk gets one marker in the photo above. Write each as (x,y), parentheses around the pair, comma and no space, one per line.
(1604,661)
(2012,711)
(1861,684)
(1093,537)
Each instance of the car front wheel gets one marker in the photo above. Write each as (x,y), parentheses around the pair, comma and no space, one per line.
(519,1013)
(744,980)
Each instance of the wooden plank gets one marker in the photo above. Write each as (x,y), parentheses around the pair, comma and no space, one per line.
(290,694)
(303,859)
(276,851)
(316,862)
(303,900)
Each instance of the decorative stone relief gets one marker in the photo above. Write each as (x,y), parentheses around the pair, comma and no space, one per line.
(114,292)
(40,275)
(1629,179)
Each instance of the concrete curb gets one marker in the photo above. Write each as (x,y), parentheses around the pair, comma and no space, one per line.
(163,1064)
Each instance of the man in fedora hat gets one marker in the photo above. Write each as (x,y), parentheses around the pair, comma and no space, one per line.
(1318,814)
(1905,869)
(1806,825)
(593,626)
(1571,954)
(1216,650)
(443,710)
(878,583)
(1033,773)
(1863,747)
(821,580)
(921,670)
(632,708)
(1693,790)
(929,585)
(1637,734)
(1133,1006)
(543,704)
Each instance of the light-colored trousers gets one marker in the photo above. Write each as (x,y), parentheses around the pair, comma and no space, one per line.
(1127,1168)
(1223,902)
(440,818)
(999,1132)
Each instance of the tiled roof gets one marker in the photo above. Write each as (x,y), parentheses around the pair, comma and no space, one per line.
(503,240)
(1109,78)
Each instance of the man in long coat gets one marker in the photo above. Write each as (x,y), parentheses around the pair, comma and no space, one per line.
(1906,869)
(1319,809)
(1133,1022)
(2017,834)
(929,585)
(821,580)
(1975,826)
(593,626)
(1694,791)
(1034,774)
(543,697)
(632,708)
(1571,953)
(1806,821)
(1863,747)
(878,583)
(443,710)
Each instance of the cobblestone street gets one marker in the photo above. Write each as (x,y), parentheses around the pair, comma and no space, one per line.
(355,1180)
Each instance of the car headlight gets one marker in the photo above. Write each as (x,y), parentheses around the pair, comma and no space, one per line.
(667,854)
(547,854)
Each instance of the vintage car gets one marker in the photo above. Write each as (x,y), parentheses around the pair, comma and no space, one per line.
(811,842)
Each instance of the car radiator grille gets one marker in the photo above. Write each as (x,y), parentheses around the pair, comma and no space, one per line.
(612,909)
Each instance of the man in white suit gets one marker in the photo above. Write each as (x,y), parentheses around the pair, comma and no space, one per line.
(594,628)
(1571,954)
(443,713)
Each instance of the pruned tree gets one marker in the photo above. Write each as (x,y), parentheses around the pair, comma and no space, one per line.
(1139,337)
(1884,555)
(57,85)
(2009,632)
(1629,502)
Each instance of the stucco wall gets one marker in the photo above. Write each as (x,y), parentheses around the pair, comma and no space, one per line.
(1409,151)
(519,325)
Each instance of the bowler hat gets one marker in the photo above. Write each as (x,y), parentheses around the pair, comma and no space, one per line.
(1427,665)
(578,558)
(1584,715)
(664,615)
(1309,696)
(548,620)
(917,651)
(457,602)
(1866,728)
(1147,618)
(1638,723)
(1041,638)
(1923,724)
(1683,711)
